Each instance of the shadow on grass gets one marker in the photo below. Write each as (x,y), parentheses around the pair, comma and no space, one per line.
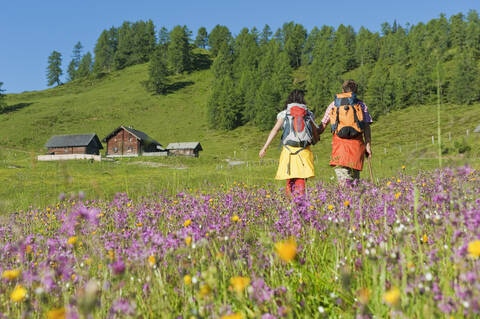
(201,61)
(13,108)
(178,86)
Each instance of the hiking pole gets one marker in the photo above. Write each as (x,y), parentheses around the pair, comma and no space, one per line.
(370,168)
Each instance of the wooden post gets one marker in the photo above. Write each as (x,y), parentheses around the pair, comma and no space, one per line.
(449,136)
(433,139)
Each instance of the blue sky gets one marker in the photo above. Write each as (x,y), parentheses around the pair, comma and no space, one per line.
(31,30)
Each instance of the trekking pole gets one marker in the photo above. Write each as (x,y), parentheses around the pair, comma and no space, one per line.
(370,169)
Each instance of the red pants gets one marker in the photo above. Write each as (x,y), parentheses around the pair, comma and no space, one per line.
(295,185)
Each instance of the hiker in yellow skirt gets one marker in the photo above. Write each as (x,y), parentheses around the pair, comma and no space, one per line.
(299,132)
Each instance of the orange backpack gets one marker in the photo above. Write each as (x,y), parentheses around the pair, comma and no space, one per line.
(346,117)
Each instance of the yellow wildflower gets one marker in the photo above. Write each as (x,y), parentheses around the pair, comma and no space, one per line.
(11,274)
(399,180)
(56,313)
(403,166)
(188,240)
(28,249)
(235,218)
(474,248)
(330,207)
(187,279)
(286,250)
(397,195)
(392,297)
(139,224)
(187,223)
(18,294)
(425,238)
(72,240)
(151,260)
(239,283)
(237,315)
(205,290)
(346,203)
(364,295)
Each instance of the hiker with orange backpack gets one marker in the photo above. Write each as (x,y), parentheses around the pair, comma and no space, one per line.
(299,132)
(351,141)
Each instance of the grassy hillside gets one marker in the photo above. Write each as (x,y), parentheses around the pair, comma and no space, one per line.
(83,106)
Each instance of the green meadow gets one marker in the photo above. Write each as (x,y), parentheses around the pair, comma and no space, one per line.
(400,138)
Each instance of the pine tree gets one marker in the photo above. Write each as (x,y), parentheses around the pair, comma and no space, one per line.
(77,54)
(144,41)
(163,37)
(465,82)
(265,35)
(201,40)
(85,67)
(54,70)
(309,47)
(2,97)
(126,46)
(158,72)
(344,48)
(294,36)
(219,36)
(71,71)
(457,30)
(178,52)
(472,38)
(104,51)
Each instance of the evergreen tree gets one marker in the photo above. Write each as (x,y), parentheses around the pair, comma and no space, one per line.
(104,51)
(144,41)
(85,67)
(265,35)
(457,30)
(126,46)
(309,47)
(219,36)
(77,54)
(163,37)
(465,82)
(2,97)
(323,78)
(472,37)
(71,71)
(379,90)
(75,62)
(54,70)
(178,52)
(344,48)
(201,40)
(366,47)
(158,72)
(294,36)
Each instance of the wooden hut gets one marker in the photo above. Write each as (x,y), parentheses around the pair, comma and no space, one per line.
(185,149)
(74,144)
(125,141)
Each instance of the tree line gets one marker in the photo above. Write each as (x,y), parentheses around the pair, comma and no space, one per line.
(255,70)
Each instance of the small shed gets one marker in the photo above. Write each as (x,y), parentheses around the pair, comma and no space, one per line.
(185,149)
(477,130)
(125,141)
(74,144)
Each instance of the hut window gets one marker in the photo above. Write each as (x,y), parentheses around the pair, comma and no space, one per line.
(65,150)
(129,149)
(130,139)
(115,149)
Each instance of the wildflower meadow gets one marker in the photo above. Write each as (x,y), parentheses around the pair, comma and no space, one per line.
(406,248)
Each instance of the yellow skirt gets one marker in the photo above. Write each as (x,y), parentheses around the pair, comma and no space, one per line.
(299,165)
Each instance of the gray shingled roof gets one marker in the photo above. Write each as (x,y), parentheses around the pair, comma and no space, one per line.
(185,145)
(477,130)
(139,134)
(73,140)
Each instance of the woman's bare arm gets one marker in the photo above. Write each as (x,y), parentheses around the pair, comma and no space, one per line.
(271,136)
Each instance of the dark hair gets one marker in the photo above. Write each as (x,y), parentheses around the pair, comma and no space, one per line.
(350,86)
(296,96)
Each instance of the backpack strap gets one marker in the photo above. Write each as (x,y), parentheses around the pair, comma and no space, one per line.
(294,153)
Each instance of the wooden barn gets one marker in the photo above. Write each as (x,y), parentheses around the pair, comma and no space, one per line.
(74,144)
(125,141)
(185,149)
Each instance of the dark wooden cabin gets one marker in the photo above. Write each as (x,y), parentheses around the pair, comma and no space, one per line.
(74,144)
(126,141)
(185,149)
